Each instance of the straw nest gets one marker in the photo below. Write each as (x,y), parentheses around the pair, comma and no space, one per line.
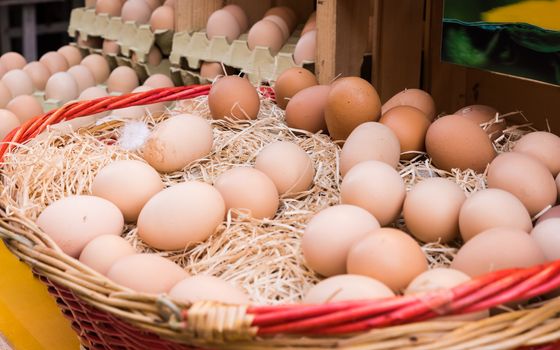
(261,256)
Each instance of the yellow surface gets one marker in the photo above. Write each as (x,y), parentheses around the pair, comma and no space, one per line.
(29,317)
(542,13)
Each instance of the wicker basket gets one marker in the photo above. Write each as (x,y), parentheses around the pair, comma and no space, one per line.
(105,316)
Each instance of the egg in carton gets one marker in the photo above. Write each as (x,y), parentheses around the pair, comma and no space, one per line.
(145,69)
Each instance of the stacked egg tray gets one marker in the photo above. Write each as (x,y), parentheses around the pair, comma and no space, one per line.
(260,65)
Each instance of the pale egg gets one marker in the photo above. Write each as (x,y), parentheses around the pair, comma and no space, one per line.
(62,87)
(102,252)
(208,288)
(18,82)
(159,81)
(98,66)
(345,288)
(25,107)
(12,60)
(55,62)
(8,122)
(123,80)
(38,73)
(83,76)
(72,55)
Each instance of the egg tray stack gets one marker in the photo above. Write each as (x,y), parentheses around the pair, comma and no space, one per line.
(108,316)
(131,38)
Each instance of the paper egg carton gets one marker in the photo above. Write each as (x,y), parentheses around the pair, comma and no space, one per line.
(191,49)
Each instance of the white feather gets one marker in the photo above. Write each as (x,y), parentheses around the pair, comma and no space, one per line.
(134,134)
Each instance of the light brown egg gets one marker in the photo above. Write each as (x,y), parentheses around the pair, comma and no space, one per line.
(431,210)
(8,122)
(351,102)
(306,109)
(154,57)
(55,62)
(72,222)
(482,114)
(222,23)
(551,213)
(153,4)
(233,97)
(128,184)
(415,98)
(18,82)
(211,70)
(62,87)
(159,81)
(110,7)
(177,142)
(267,34)
(497,249)
(370,141)
(457,142)
(83,76)
(111,47)
(376,187)
(310,25)
(102,252)
(329,235)
(208,288)
(492,208)
(72,55)
(92,93)
(543,146)
(3,71)
(181,215)
(345,288)
(306,48)
(290,82)
(12,60)
(526,178)
(547,237)
(5,95)
(122,79)
(287,165)
(98,67)
(388,255)
(286,13)
(410,125)
(137,11)
(38,73)
(163,18)
(240,15)
(25,107)
(281,24)
(172,3)
(146,273)
(249,191)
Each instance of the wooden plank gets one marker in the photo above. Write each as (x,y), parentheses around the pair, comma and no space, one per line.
(192,15)
(5,40)
(342,38)
(29,27)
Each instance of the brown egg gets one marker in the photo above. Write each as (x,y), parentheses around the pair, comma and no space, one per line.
(306,48)
(290,82)
(240,15)
(370,141)
(12,60)
(98,67)
(306,109)
(310,25)
(267,34)
(351,102)
(102,252)
(55,62)
(347,287)
(551,213)
(211,70)
(287,165)
(163,18)
(482,114)
(72,55)
(62,87)
(547,237)
(5,95)
(492,208)
(329,235)
(18,82)
(208,288)
(8,122)
(233,97)
(497,249)
(38,73)
(83,77)
(123,79)
(153,58)
(431,210)
(181,215)
(110,7)
(415,98)
(543,146)
(457,142)
(388,255)
(249,191)
(153,4)
(526,178)
(284,12)
(146,273)
(410,125)
(110,47)
(376,187)
(159,81)
(281,24)
(222,23)
(25,107)
(137,11)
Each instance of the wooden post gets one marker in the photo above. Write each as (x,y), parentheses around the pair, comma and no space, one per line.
(29,35)
(192,15)
(342,38)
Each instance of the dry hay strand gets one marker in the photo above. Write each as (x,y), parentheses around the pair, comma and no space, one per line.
(262,256)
